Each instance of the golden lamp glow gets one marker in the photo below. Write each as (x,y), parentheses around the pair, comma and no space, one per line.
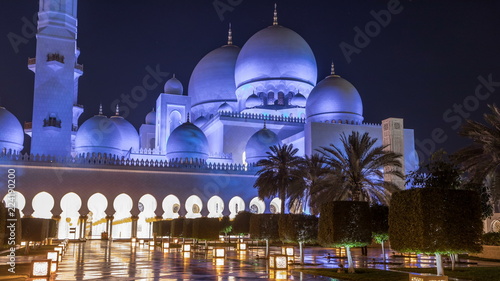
(40,268)
(219,253)
(186,247)
(427,277)
(242,247)
(53,256)
(278,262)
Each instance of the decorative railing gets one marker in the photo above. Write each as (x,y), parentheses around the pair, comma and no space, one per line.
(221,155)
(79,66)
(372,124)
(256,116)
(55,57)
(104,160)
(31,61)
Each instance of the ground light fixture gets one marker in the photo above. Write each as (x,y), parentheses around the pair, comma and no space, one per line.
(241,247)
(278,274)
(165,246)
(288,251)
(219,253)
(186,247)
(40,268)
(278,262)
(53,256)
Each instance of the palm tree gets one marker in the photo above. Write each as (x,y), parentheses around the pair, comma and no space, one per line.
(279,170)
(482,158)
(313,174)
(357,170)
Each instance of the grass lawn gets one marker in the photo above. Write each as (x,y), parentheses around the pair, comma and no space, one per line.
(362,274)
(368,274)
(471,273)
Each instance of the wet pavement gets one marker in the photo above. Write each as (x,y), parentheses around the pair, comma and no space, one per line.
(103,260)
(106,260)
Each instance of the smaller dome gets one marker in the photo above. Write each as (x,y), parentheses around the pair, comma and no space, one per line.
(253,101)
(173,86)
(225,107)
(151,118)
(187,141)
(334,99)
(200,121)
(299,100)
(99,134)
(11,132)
(259,143)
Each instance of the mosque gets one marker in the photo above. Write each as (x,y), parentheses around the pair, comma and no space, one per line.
(195,153)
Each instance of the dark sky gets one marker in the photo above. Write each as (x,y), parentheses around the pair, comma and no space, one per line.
(423,65)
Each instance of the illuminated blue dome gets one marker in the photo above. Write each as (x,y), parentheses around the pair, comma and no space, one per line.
(173,86)
(259,144)
(114,136)
(225,107)
(253,101)
(151,118)
(299,100)
(212,80)
(200,121)
(187,141)
(11,132)
(335,100)
(276,52)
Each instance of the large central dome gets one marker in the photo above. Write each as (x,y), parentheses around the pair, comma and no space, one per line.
(275,52)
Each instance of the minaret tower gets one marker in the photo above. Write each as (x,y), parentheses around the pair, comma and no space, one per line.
(55,107)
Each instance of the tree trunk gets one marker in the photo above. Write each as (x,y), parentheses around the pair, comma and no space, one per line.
(452,259)
(301,250)
(439,265)
(282,197)
(383,252)
(350,263)
(267,248)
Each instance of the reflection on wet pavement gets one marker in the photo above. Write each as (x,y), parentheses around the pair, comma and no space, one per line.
(104,260)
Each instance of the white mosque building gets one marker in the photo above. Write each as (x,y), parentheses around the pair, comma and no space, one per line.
(194,154)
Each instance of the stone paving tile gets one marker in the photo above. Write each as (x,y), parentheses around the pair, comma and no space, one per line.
(101,260)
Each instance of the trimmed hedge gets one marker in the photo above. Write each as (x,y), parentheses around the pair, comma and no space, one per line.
(345,223)
(162,228)
(379,223)
(206,228)
(187,228)
(431,220)
(241,223)
(35,229)
(177,227)
(298,228)
(491,239)
(264,227)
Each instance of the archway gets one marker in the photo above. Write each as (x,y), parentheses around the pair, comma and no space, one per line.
(171,206)
(257,206)
(122,222)
(15,200)
(236,205)
(193,207)
(275,206)
(215,206)
(147,206)
(42,204)
(69,224)
(97,205)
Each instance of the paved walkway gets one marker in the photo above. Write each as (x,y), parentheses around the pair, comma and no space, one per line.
(103,260)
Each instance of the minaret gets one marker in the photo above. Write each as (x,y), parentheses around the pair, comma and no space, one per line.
(55,107)
(393,139)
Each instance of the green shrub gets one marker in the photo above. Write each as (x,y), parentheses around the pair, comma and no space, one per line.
(345,224)
(241,223)
(264,227)
(491,239)
(177,227)
(206,229)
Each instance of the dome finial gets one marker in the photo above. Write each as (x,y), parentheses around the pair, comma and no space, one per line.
(173,76)
(100,109)
(188,118)
(230,35)
(265,124)
(117,110)
(332,70)
(275,18)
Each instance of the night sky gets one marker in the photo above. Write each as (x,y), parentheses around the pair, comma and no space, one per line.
(424,65)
